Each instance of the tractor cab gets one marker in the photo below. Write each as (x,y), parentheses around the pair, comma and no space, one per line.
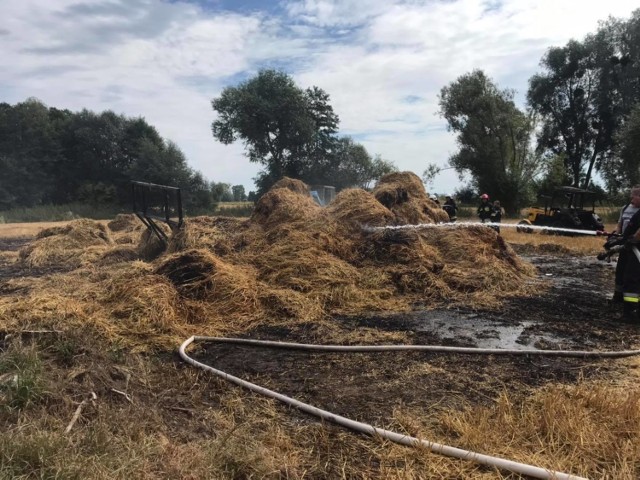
(567,207)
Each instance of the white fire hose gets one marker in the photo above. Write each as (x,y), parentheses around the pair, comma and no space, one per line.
(516,467)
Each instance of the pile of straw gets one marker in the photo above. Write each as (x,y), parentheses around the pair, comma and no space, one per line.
(291,261)
(67,247)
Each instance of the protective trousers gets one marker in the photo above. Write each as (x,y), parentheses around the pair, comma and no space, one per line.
(631,283)
(620,266)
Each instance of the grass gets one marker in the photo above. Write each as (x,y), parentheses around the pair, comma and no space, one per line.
(57,213)
(20,371)
(235,209)
(182,423)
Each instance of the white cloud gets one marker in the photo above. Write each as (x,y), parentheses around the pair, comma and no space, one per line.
(382,62)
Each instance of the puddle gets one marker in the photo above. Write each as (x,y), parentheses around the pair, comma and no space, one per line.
(485,333)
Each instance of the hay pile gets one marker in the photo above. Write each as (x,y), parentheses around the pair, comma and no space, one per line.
(291,261)
(79,242)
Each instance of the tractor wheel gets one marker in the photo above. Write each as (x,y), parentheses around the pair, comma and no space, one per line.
(557,224)
(524,227)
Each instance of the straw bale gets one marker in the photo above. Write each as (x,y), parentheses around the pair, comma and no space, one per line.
(68,246)
(403,193)
(141,303)
(212,233)
(118,255)
(287,304)
(79,233)
(150,246)
(478,260)
(398,187)
(125,222)
(419,210)
(199,275)
(282,205)
(303,268)
(296,186)
(409,181)
(354,208)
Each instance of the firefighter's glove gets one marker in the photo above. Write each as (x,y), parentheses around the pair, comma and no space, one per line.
(614,240)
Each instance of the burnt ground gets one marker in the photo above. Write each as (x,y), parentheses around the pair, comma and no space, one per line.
(573,314)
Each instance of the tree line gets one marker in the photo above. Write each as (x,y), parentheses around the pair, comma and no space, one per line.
(54,156)
(582,116)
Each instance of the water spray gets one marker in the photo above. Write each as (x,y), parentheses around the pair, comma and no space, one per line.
(525,228)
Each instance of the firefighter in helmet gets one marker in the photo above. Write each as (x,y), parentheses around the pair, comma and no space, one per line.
(485,208)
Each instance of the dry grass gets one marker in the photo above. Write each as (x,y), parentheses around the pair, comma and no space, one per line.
(12,230)
(577,245)
(292,262)
(181,423)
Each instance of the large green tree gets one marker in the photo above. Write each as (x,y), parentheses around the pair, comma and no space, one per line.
(493,138)
(564,97)
(282,126)
(584,95)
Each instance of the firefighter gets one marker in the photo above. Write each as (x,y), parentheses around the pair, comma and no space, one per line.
(496,215)
(627,286)
(485,208)
(451,208)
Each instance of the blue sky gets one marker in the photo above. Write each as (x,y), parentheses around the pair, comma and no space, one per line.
(382,62)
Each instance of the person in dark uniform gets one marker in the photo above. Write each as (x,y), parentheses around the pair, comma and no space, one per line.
(627,212)
(631,273)
(496,215)
(485,208)
(451,208)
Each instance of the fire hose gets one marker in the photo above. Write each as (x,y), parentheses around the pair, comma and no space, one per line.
(497,462)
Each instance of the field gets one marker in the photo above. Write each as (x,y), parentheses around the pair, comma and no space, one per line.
(92,386)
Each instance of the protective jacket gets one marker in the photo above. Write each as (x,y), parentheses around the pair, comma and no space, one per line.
(451,209)
(484,211)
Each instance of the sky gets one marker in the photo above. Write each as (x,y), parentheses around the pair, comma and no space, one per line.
(383,63)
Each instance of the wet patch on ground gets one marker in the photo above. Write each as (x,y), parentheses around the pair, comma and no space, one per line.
(572,314)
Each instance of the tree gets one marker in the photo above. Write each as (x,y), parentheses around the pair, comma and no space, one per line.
(629,148)
(238,193)
(56,156)
(282,126)
(493,137)
(584,95)
(348,164)
(564,97)
(221,192)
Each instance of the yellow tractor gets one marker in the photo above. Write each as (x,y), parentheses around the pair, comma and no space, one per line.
(567,207)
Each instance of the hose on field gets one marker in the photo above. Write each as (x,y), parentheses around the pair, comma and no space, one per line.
(497,462)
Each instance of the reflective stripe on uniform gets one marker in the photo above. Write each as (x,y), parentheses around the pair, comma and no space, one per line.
(631,297)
